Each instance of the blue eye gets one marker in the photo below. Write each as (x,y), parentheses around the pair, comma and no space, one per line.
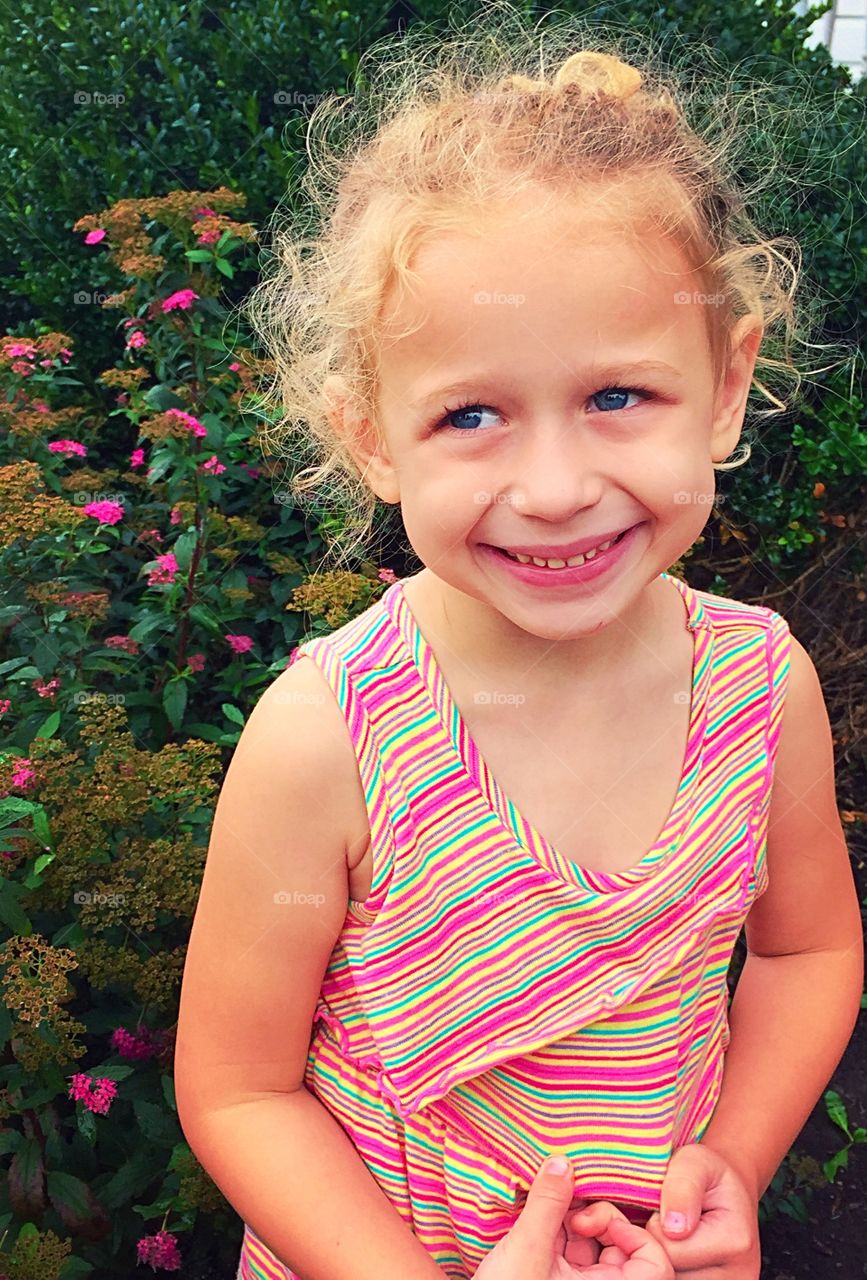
(617,393)
(468,410)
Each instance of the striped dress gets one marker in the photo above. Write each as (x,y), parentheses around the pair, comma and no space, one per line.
(492,1001)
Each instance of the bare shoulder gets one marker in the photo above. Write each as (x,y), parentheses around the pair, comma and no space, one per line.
(317,718)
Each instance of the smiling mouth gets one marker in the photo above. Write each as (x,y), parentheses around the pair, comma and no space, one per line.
(573,562)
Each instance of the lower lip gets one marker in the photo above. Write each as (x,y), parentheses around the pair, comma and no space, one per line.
(537,576)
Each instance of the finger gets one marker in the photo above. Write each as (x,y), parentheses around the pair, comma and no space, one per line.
(693,1174)
(645,1258)
(709,1245)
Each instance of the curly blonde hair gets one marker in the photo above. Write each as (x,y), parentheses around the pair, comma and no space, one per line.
(439,130)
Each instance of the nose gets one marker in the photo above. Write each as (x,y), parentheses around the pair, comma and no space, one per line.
(557,473)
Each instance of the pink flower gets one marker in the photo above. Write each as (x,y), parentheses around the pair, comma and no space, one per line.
(160,1250)
(122,398)
(190,422)
(5,704)
(208,235)
(386,575)
(204,212)
(46,364)
(196,661)
(27,349)
(252,472)
(65,355)
(68,446)
(94,237)
(136,339)
(46,690)
(240,644)
(39,405)
(175,516)
(136,458)
(132,1046)
(97,1095)
(234,366)
(168,567)
(181,300)
(23,774)
(105,512)
(153,534)
(213,465)
(122,642)
(20,367)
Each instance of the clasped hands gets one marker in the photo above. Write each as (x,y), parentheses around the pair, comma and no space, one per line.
(719,1239)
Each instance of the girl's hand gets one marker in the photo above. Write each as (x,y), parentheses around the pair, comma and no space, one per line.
(535,1247)
(720,1239)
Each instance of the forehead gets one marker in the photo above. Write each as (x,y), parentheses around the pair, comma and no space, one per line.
(567,272)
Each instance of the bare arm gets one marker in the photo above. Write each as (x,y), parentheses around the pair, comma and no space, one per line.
(291,1172)
(798,995)
(272,904)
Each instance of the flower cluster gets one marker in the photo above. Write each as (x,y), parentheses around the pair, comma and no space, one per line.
(97,1095)
(160,1250)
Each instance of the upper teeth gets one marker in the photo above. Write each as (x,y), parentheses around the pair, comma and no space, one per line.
(560,564)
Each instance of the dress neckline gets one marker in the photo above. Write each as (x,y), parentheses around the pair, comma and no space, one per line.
(525,834)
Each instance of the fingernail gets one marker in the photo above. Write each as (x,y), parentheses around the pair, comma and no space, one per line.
(675,1221)
(557,1165)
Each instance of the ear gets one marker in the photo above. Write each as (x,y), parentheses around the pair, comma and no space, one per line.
(361,440)
(730,401)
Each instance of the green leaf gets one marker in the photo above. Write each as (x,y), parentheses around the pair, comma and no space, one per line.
(11,912)
(839,1161)
(225,267)
(42,862)
(13,663)
(836,1110)
(49,726)
(141,629)
(232,712)
(169,1091)
(75,1202)
(183,549)
(175,702)
(157,1125)
(199,255)
(160,464)
(132,1178)
(26,1184)
(14,807)
(162,398)
(86,1124)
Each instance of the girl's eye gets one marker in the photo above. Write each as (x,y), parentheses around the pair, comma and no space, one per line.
(612,397)
(469,410)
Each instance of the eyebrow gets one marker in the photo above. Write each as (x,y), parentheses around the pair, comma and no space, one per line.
(598,373)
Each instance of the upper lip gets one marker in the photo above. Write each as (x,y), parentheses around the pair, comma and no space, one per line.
(545,551)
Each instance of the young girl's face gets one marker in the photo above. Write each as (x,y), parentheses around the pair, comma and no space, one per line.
(584,356)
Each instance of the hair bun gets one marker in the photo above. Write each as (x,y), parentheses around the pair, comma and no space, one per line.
(592,71)
(600,72)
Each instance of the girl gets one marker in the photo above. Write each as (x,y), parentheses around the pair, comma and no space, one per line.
(483,853)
